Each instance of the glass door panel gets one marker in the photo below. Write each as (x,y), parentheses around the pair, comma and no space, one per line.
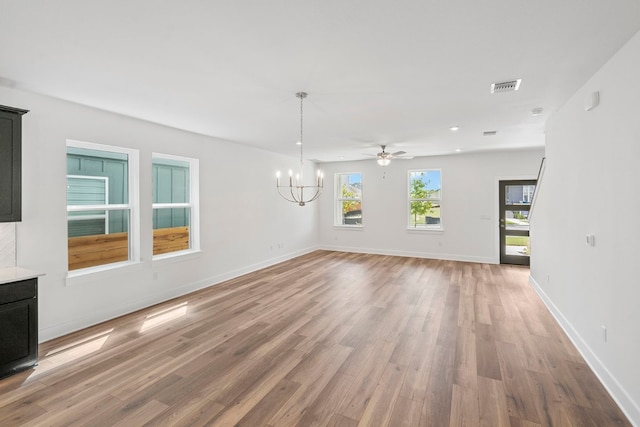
(515,202)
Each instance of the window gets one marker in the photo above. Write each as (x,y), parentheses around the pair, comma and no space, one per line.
(102,219)
(348,199)
(175,196)
(425,197)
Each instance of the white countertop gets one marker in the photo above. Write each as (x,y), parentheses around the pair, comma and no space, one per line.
(15,274)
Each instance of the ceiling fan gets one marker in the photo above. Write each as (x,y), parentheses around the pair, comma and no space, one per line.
(384,158)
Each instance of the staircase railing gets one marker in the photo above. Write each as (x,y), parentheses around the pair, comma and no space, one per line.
(538,183)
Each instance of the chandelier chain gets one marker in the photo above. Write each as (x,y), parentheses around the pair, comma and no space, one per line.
(302,96)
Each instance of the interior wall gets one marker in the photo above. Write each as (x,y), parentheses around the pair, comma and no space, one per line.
(469,205)
(244,224)
(591,187)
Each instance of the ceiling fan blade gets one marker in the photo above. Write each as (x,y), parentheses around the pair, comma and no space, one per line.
(398,153)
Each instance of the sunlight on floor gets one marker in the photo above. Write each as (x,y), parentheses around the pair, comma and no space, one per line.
(70,352)
(164,316)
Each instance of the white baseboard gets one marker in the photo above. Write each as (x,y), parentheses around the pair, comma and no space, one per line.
(430,255)
(60,329)
(615,389)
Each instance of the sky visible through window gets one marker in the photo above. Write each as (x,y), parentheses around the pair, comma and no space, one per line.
(430,178)
(355,178)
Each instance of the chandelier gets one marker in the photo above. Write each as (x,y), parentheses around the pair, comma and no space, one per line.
(295,190)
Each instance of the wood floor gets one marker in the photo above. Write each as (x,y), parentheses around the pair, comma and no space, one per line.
(327,339)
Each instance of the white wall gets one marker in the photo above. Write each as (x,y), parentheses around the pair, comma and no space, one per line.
(469,205)
(244,225)
(591,186)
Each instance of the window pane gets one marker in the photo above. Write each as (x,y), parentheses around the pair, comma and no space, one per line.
(171,230)
(171,185)
(424,214)
(348,204)
(90,243)
(425,193)
(170,181)
(99,178)
(350,186)
(425,185)
(517,245)
(351,213)
(519,194)
(96,176)
(516,220)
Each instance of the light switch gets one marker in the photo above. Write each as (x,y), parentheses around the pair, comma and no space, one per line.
(591,240)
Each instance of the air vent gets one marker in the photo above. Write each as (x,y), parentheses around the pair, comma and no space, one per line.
(510,86)
(489,132)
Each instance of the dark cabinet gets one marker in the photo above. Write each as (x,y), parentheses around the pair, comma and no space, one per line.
(10,163)
(18,326)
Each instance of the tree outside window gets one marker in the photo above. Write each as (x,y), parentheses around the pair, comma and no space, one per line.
(348,199)
(425,193)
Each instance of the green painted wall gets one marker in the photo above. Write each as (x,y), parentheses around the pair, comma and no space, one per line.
(170,185)
(115,169)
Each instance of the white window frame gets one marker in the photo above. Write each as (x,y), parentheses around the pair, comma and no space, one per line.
(426,227)
(133,205)
(193,204)
(338,199)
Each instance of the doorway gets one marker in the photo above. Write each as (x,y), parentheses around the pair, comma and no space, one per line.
(515,203)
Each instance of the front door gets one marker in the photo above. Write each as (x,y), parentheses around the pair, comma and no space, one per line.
(515,202)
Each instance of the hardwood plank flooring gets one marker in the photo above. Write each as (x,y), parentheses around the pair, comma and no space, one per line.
(326,339)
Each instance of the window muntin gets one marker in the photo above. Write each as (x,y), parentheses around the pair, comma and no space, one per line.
(348,206)
(174,204)
(425,199)
(101,214)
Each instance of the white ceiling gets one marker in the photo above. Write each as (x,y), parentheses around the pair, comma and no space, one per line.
(377,71)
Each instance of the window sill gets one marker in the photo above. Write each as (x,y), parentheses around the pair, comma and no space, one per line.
(90,274)
(179,256)
(425,230)
(348,227)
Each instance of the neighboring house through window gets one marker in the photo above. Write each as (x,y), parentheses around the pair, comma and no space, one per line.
(425,199)
(348,206)
(175,201)
(102,217)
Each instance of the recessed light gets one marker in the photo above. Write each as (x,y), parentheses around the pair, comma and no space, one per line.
(454,128)
(299,143)
(458,150)
(341,157)
(536,111)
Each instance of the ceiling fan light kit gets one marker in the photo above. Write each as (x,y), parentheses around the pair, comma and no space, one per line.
(294,191)
(385,158)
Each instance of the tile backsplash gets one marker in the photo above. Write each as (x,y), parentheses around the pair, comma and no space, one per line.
(7,244)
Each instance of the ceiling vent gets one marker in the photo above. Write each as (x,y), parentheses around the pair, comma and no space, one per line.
(489,132)
(509,86)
